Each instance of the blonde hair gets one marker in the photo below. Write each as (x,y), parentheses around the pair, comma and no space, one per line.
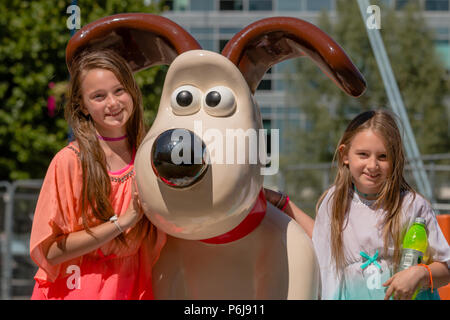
(96,181)
(382,122)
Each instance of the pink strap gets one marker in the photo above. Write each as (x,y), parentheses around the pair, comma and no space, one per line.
(126,168)
(285,204)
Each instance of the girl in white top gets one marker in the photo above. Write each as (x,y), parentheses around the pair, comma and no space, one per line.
(362,218)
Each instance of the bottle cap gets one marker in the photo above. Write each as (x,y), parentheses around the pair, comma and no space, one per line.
(420,220)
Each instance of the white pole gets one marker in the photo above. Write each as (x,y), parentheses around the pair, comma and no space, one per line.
(396,103)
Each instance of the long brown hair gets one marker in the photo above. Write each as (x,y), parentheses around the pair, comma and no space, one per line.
(390,197)
(96,181)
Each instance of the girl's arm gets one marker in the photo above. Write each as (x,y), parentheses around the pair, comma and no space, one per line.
(440,274)
(403,284)
(304,220)
(81,242)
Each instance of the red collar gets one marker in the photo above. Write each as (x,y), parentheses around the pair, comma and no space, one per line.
(249,224)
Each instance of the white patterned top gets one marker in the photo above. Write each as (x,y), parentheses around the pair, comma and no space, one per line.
(367,266)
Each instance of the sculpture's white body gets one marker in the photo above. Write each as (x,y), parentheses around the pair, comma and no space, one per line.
(274,261)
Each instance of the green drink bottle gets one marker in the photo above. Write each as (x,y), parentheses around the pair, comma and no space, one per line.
(414,246)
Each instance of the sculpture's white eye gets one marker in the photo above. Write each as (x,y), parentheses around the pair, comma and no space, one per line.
(185,100)
(220,101)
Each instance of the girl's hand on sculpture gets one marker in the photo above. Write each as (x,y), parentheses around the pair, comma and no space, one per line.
(134,212)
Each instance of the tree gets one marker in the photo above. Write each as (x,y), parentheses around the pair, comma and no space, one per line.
(34,36)
(420,75)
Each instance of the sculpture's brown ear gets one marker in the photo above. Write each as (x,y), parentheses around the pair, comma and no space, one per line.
(143,39)
(269,41)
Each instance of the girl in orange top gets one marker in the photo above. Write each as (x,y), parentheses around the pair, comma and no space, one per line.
(88,236)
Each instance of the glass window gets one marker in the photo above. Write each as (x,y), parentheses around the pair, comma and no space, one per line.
(229,31)
(230,5)
(387,3)
(176,5)
(204,36)
(168,5)
(222,44)
(202,5)
(441,42)
(260,5)
(400,4)
(265,84)
(288,5)
(443,50)
(225,35)
(317,5)
(201,31)
(267,124)
(442,32)
(287,65)
(280,85)
(266,111)
(308,125)
(180,5)
(207,44)
(437,5)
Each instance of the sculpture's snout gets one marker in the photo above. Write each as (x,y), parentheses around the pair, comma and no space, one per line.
(177,158)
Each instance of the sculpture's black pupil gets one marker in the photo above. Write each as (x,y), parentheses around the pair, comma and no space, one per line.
(184,98)
(213,98)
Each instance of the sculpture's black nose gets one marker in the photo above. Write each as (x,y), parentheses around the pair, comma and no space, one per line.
(177,157)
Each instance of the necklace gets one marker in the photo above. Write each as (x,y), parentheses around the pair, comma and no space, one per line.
(365,195)
(111,139)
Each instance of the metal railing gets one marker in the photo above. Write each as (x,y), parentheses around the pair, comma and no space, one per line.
(17,268)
